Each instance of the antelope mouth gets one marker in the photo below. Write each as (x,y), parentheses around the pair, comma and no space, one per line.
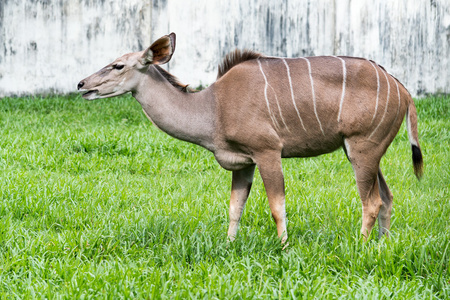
(90,94)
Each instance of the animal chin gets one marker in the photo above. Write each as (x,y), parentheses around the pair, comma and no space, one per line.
(90,95)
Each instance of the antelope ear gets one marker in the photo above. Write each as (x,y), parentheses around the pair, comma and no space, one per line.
(160,51)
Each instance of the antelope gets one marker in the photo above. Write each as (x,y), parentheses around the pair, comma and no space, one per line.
(262,109)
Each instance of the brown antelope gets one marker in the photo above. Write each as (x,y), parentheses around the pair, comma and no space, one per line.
(262,109)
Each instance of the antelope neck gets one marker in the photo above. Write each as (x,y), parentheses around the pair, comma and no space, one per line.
(185,116)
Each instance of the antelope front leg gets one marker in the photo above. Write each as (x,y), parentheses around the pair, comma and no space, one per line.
(269,165)
(240,188)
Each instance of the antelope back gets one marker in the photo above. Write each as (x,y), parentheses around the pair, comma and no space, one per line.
(309,104)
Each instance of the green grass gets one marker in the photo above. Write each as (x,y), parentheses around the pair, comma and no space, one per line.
(96,203)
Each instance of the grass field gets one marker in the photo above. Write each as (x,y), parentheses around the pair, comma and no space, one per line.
(96,203)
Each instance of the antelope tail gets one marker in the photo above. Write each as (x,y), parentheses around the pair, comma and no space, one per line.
(411,126)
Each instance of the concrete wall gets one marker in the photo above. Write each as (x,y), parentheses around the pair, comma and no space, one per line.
(49,45)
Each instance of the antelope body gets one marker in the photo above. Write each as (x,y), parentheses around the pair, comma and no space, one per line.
(262,109)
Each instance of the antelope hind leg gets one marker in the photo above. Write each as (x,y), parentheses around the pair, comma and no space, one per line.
(365,165)
(269,165)
(240,188)
(370,197)
(384,216)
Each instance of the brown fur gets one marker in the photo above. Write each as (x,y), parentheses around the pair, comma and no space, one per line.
(234,58)
(174,81)
(396,79)
(262,109)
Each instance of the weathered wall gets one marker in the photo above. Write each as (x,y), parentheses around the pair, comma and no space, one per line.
(49,45)
(411,38)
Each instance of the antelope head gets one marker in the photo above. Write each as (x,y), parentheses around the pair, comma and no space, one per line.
(123,75)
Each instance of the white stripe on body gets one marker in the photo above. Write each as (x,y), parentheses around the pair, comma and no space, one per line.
(344,80)
(399,103)
(378,92)
(292,93)
(313,94)
(386,107)
(274,121)
(279,108)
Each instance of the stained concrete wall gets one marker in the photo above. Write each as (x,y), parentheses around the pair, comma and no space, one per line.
(411,38)
(48,45)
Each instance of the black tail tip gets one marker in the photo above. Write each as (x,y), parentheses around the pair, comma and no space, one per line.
(417,161)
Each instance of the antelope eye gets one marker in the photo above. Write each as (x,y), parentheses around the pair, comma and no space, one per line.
(118,67)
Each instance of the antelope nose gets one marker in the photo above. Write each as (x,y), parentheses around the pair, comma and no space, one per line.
(81,84)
